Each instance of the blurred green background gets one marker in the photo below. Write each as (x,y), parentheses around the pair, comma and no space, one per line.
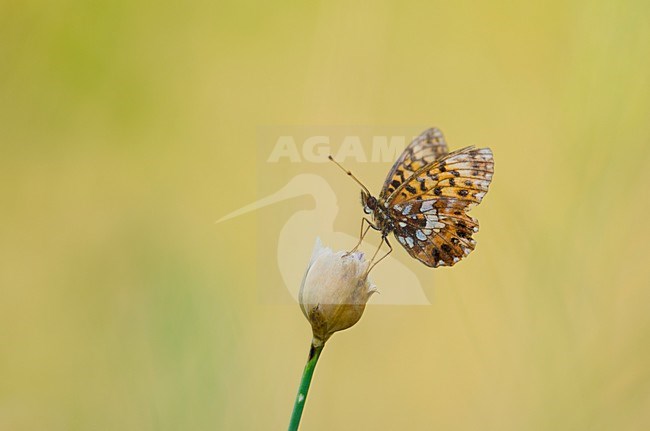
(128,127)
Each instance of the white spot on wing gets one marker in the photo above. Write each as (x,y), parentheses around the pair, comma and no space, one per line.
(421,236)
(431,216)
(434,224)
(426,206)
(410,242)
(407,209)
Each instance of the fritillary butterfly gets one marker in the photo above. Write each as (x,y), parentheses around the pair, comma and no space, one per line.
(426,197)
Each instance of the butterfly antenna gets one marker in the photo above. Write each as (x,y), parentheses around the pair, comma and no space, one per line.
(350,174)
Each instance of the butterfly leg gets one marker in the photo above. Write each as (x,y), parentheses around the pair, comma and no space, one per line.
(384,239)
(362,232)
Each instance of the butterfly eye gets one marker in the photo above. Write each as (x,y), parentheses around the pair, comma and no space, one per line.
(369,202)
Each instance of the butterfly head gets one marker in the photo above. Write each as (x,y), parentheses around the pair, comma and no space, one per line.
(369,202)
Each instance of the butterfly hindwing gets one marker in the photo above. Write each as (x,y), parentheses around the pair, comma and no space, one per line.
(437,233)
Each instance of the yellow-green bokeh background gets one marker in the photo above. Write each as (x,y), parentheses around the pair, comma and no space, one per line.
(128,127)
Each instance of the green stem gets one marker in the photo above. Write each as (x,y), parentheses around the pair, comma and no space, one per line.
(305,381)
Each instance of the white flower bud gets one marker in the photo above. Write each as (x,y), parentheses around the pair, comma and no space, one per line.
(334,291)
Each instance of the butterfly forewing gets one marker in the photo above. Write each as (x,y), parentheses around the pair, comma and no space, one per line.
(429,208)
(423,150)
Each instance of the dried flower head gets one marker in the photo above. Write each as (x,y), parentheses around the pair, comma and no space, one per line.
(334,291)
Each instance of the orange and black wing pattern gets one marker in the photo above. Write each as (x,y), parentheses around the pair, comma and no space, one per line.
(423,150)
(429,208)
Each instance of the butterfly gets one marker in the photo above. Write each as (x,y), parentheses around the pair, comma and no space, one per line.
(426,197)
